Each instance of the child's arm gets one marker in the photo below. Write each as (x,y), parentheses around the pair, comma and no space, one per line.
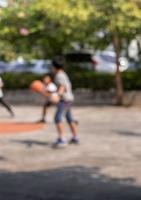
(44,93)
(61,90)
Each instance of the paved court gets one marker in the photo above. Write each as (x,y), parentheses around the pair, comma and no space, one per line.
(105,166)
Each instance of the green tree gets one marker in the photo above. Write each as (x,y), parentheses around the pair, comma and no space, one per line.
(41,29)
(118,20)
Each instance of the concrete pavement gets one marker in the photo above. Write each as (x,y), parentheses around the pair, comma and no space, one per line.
(105,166)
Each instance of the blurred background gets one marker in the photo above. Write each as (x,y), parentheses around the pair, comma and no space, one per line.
(101,43)
(100,40)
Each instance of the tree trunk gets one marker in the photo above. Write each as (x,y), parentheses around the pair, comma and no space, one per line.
(139,50)
(118,79)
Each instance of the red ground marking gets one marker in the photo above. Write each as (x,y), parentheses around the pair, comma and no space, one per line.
(14,127)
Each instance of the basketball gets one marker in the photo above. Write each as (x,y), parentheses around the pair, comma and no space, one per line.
(37,86)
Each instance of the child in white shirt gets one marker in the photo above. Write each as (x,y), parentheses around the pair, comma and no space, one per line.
(50,92)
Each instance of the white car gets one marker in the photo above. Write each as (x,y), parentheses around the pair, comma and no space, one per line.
(105,61)
(41,66)
(3,67)
(35,67)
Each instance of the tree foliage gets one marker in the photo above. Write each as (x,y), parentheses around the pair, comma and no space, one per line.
(43,28)
(119,20)
(40,29)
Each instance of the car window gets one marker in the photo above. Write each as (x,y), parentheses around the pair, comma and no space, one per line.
(2,67)
(24,66)
(78,57)
(45,66)
(28,65)
(108,58)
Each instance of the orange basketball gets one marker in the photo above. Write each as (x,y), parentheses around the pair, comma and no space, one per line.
(37,86)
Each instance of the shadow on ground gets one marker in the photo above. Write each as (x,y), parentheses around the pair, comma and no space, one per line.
(2,158)
(30,143)
(128,133)
(70,183)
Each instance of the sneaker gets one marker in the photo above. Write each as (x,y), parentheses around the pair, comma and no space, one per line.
(60,143)
(74,141)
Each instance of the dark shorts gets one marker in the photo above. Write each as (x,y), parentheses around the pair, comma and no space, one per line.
(63,108)
(48,104)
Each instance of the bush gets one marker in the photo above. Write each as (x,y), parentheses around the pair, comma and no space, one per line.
(132,80)
(80,79)
(18,81)
(92,80)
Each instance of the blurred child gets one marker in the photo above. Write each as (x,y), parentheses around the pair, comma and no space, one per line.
(50,92)
(2,101)
(64,88)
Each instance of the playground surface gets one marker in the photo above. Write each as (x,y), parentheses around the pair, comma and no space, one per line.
(106,165)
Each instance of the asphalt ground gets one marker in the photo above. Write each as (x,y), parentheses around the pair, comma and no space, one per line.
(106,165)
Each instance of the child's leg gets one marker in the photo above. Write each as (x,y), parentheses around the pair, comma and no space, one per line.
(45,109)
(58,119)
(8,108)
(71,123)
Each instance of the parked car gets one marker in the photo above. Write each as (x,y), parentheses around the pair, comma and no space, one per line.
(134,65)
(101,61)
(3,67)
(19,67)
(83,59)
(35,66)
(105,61)
(41,66)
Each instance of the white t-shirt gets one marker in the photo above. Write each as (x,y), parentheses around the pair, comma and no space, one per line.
(52,89)
(1,85)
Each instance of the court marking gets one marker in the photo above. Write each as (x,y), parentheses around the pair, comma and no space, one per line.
(19,127)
